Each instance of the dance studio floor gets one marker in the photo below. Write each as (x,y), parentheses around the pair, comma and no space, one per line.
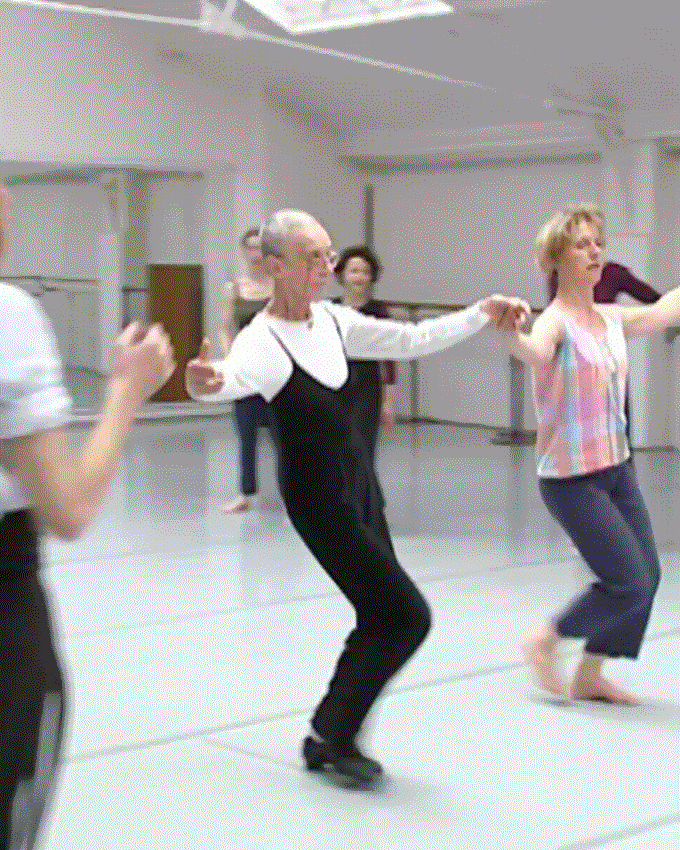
(196,646)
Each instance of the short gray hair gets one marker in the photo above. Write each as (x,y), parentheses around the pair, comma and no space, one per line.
(274,234)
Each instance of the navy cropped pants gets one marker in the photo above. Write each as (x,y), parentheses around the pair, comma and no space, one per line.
(604,515)
(251,413)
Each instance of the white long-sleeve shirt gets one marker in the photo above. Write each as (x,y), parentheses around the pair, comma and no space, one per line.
(258,364)
(32,393)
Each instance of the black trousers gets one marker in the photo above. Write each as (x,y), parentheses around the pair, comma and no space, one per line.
(352,543)
(31,690)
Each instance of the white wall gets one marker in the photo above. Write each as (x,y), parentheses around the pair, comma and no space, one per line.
(87,91)
(456,234)
(176,220)
(220,234)
(56,229)
(446,234)
(305,172)
(84,90)
(104,97)
(195,220)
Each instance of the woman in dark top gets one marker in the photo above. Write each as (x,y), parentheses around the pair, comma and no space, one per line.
(614,280)
(358,271)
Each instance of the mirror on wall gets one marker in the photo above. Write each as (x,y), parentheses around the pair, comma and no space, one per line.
(84,239)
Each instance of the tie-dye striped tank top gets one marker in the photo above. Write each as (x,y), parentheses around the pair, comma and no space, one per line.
(579,400)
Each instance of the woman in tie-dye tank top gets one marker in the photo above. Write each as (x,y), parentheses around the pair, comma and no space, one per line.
(577,354)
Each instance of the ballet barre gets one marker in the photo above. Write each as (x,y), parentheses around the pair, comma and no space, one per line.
(72,306)
(412,308)
(516,433)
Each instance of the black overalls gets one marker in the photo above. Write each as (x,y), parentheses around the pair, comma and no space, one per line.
(334,501)
(32,690)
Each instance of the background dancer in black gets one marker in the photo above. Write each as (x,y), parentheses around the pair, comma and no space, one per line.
(41,486)
(374,383)
(295,354)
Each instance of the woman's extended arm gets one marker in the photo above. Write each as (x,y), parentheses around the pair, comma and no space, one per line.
(66,490)
(538,347)
(651,318)
(633,286)
(378,339)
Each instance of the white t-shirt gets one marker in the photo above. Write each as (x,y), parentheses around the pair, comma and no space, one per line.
(257,363)
(32,393)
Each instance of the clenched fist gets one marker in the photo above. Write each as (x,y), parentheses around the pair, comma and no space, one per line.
(143,359)
(201,376)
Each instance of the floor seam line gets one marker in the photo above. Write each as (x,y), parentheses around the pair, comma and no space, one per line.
(622,834)
(287,715)
(223,745)
(331,594)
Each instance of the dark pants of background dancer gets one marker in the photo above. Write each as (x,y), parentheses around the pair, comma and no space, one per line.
(607,520)
(367,399)
(251,413)
(31,690)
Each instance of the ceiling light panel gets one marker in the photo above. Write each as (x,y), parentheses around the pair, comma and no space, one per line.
(306,16)
(160,8)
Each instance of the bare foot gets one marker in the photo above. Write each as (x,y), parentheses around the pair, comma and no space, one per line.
(240,504)
(598,688)
(538,649)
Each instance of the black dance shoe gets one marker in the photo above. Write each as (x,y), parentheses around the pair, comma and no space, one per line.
(350,761)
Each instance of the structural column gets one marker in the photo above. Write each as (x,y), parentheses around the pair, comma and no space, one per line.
(112,264)
(236,197)
(642,205)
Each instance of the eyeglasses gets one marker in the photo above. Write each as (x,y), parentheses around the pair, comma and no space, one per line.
(319,258)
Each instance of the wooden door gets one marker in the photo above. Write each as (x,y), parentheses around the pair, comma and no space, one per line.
(176,301)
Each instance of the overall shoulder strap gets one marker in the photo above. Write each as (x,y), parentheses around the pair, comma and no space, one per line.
(337,327)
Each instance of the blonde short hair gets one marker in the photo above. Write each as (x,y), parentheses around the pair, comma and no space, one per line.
(556,233)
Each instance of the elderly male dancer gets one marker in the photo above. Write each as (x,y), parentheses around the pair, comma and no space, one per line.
(294,353)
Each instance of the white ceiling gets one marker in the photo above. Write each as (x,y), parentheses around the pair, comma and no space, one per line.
(620,54)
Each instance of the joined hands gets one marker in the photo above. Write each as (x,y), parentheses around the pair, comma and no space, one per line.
(506,314)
